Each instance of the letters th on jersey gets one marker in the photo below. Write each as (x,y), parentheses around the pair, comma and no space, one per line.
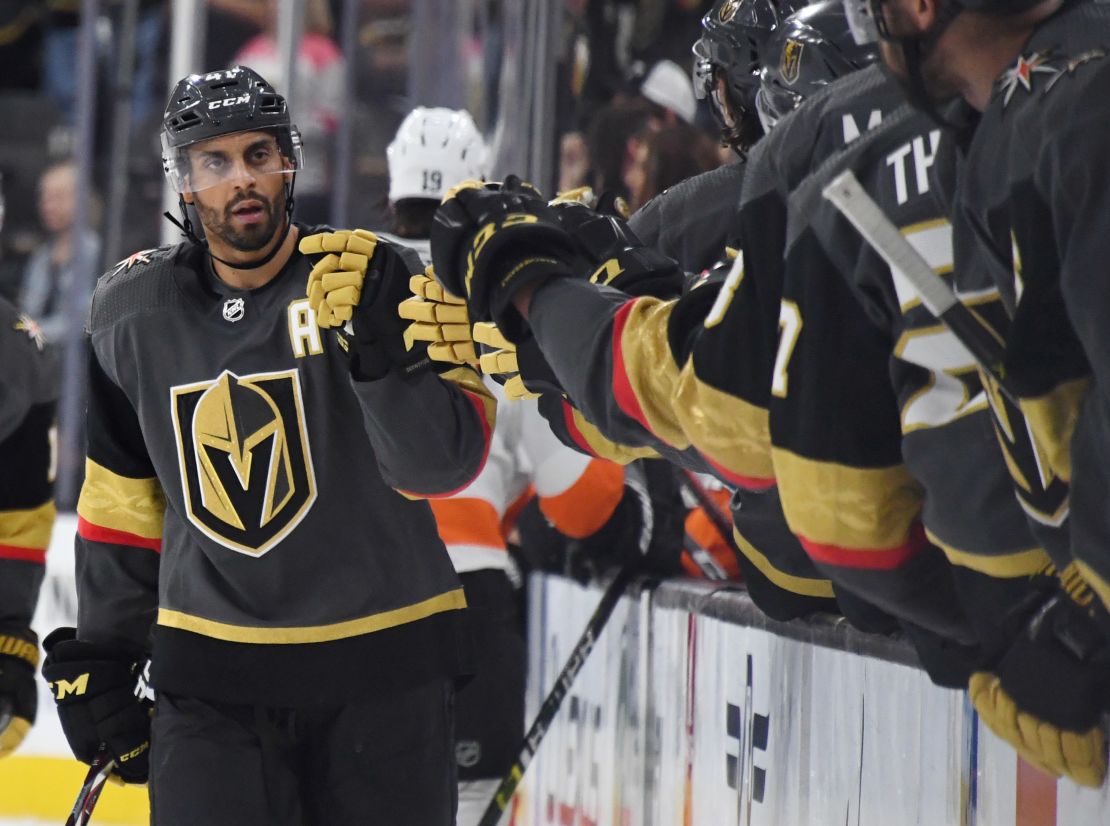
(246,468)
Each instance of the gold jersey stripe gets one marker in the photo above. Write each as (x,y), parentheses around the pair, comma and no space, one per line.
(680,408)
(1002,566)
(121,503)
(861,509)
(28,528)
(601,446)
(448,601)
(788,582)
(1052,419)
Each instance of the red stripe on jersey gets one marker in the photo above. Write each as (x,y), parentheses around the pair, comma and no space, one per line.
(756,483)
(98,533)
(23,554)
(480,409)
(622,387)
(574,432)
(880,559)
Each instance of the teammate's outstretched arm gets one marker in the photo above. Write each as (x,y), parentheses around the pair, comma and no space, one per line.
(623,361)
(430,432)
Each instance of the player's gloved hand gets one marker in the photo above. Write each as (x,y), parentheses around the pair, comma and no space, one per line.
(1046,694)
(357,287)
(438,318)
(102,700)
(520,368)
(610,249)
(490,241)
(19,657)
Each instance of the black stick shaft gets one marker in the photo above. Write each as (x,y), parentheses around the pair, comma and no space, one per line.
(596,624)
(99,771)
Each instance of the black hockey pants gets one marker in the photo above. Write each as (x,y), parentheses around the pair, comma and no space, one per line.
(382,761)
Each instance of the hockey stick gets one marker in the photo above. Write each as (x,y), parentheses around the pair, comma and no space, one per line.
(849,197)
(99,772)
(551,704)
(701,557)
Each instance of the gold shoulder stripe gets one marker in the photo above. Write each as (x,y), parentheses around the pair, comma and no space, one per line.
(1001,566)
(788,582)
(448,601)
(121,503)
(858,508)
(28,528)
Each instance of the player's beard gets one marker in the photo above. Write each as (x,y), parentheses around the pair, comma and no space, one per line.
(252,237)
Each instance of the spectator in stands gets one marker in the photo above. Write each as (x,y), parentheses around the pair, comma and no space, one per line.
(316,97)
(671,94)
(611,139)
(661,159)
(51,271)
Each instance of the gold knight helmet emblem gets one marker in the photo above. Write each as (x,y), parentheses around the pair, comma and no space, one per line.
(791,63)
(230,422)
(244,458)
(728,10)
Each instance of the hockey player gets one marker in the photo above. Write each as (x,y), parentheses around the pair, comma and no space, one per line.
(27,401)
(1026,209)
(238,523)
(690,221)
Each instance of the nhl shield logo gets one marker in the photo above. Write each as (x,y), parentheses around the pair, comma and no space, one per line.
(791,63)
(246,469)
(728,10)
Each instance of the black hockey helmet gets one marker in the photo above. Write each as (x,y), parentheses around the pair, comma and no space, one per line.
(812,48)
(733,33)
(223,103)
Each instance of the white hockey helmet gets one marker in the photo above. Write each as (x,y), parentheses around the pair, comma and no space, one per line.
(433,150)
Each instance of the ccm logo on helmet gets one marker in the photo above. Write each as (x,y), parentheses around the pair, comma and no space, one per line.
(217,104)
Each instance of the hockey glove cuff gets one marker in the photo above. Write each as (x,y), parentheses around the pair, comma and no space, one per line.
(19,657)
(102,700)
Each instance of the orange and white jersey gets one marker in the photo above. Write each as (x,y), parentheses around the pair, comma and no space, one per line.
(577,494)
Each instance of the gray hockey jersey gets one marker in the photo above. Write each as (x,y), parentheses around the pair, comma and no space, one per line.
(240,491)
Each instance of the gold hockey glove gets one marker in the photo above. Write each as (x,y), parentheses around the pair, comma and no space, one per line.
(19,656)
(1046,694)
(499,361)
(336,283)
(438,318)
(356,287)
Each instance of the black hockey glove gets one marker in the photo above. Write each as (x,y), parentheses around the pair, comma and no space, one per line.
(489,241)
(356,288)
(19,657)
(1047,692)
(613,254)
(101,693)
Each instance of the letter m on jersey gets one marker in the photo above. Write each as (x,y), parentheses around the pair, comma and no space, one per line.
(243,452)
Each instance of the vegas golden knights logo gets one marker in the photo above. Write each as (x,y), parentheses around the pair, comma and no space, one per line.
(791,63)
(246,469)
(728,10)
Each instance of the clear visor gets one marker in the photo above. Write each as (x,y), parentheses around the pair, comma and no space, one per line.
(228,159)
(861,22)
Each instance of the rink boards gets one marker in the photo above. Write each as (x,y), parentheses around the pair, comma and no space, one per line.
(695,710)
